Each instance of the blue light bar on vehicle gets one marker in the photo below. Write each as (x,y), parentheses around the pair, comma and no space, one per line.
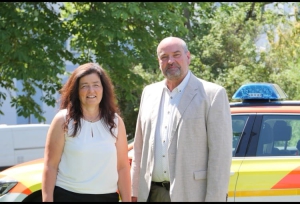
(260,91)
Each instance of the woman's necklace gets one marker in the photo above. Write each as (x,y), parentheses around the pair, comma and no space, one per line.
(93,120)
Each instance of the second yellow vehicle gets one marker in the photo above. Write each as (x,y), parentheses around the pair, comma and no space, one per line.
(266,145)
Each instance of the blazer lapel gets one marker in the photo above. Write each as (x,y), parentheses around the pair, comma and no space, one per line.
(187,96)
(155,111)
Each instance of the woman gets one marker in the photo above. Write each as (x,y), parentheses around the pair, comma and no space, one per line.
(86,147)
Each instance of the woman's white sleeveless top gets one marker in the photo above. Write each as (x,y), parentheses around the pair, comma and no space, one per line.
(89,160)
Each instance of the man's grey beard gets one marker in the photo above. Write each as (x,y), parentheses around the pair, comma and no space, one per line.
(172,76)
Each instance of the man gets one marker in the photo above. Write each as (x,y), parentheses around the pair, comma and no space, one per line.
(183,139)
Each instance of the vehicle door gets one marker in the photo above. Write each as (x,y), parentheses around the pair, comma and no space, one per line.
(241,126)
(270,170)
(6,149)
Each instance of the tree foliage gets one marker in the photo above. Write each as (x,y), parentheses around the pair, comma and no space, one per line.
(31,50)
(228,54)
(284,56)
(119,36)
(123,36)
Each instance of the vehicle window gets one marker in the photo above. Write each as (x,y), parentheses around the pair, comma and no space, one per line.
(238,124)
(279,136)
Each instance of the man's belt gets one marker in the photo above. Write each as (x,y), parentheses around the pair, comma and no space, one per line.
(165,184)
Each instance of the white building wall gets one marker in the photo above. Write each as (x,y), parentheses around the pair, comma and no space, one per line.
(10,115)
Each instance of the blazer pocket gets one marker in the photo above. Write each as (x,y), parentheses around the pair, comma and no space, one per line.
(198,175)
(194,117)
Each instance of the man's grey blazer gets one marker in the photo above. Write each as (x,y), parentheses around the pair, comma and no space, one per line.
(200,146)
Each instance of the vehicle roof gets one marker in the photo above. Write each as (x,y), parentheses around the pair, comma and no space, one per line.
(265,107)
(23,126)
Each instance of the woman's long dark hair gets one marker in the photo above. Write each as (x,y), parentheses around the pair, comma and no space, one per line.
(70,98)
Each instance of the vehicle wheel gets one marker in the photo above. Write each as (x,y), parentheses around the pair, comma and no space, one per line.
(35,197)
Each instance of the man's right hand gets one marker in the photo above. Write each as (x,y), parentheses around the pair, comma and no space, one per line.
(133,199)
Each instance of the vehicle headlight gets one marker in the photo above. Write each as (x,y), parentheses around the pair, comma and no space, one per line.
(5,186)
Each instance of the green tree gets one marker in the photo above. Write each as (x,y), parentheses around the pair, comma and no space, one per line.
(123,36)
(32,50)
(119,36)
(228,53)
(284,55)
